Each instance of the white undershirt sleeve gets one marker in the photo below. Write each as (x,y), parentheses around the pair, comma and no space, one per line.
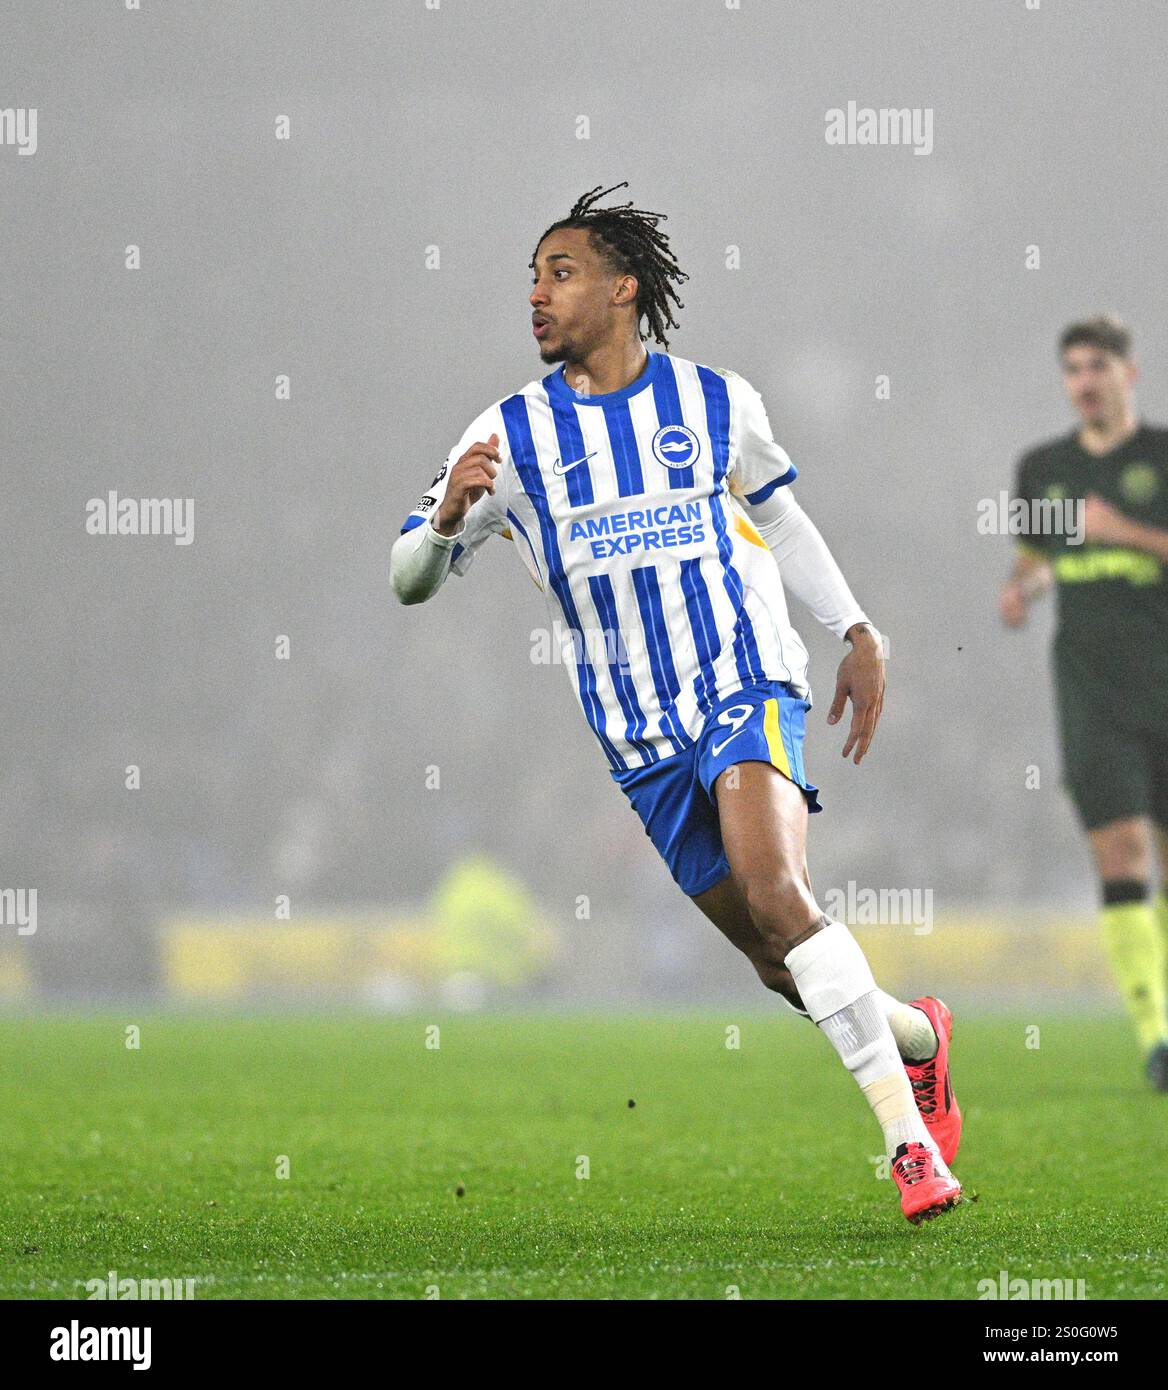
(805,564)
(420,561)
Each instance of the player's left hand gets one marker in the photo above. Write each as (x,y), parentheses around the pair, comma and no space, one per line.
(861,679)
(1103,522)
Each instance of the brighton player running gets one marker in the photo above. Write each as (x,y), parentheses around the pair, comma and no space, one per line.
(648,499)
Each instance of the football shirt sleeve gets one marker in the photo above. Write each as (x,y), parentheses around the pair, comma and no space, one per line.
(1028,485)
(806,565)
(757,464)
(487,516)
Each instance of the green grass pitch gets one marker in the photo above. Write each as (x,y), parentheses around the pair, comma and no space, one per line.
(743,1168)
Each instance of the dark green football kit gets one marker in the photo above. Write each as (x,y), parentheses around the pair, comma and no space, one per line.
(1111,645)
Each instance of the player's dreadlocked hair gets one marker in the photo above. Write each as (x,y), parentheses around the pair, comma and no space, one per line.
(630,243)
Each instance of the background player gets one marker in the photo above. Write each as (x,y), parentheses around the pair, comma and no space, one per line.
(1110,650)
(648,499)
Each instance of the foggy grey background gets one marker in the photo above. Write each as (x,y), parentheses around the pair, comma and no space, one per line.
(456,127)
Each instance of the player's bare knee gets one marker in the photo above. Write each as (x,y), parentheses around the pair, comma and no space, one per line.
(1123,852)
(781,909)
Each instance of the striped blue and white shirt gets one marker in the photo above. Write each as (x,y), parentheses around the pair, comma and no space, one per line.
(624,507)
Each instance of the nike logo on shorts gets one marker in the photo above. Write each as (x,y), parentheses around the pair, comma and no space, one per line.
(716,748)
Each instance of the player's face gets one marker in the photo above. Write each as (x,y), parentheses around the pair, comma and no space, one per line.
(571,296)
(1098,383)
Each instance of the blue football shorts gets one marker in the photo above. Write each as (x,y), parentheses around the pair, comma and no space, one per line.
(675,796)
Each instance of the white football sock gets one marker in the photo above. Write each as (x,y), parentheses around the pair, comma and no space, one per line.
(836,985)
(915,1036)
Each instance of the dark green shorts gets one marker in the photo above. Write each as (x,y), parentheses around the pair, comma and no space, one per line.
(1115,764)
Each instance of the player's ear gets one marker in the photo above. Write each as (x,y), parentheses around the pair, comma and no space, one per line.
(626,290)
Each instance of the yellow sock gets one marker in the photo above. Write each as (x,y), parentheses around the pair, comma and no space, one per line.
(1135,944)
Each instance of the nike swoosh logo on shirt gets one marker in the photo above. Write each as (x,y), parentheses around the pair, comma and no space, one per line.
(562,468)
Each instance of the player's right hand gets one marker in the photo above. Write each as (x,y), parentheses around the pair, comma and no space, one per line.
(471,476)
(1012,604)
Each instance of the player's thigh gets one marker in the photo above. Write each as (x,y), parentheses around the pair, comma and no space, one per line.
(763,818)
(750,762)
